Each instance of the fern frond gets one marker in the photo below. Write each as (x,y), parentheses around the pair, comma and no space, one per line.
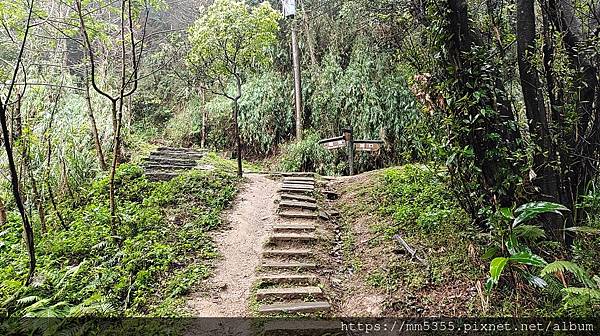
(564,265)
(37,305)
(530,232)
(592,293)
(28,299)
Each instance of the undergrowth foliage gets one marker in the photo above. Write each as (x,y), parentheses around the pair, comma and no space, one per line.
(162,248)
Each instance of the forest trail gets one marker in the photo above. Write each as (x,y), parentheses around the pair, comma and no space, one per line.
(240,246)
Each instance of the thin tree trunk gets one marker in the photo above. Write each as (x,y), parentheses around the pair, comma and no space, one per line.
(38,202)
(113,168)
(204,119)
(65,177)
(14,179)
(54,206)
(2,213)
(93,126)
(238,141)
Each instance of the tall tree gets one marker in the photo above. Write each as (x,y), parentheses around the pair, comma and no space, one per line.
(546,179)
(228,41)
(130,56)
(14,177)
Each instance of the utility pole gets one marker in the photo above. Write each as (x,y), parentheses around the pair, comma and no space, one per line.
(289,10)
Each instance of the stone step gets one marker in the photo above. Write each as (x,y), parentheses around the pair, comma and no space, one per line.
(288,265)
(296,204)
(282,227)
(301,174)
(295,190)
(177,155)
(297,186)
(299,214)
(165,167)
(301,327)
(288,279)
(181,149)
(170,161)
(160,176)
(288,292)
(298,198)
(288,253)
(298,307)
(299,178)
(291,237)
(294,181)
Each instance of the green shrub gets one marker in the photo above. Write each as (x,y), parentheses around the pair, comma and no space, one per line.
(417,198)
(158,254)
(308,155)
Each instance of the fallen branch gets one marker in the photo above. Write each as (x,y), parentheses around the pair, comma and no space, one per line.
(410,250)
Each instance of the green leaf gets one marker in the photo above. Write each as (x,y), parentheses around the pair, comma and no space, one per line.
(527,258)
(531,210)
(496,267)
(534,280)
(506,213)
(512,245)
(490,252)
(583,229)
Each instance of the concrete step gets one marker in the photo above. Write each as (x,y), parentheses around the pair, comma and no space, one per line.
(288,292)
(156,166)
(288,279)
(296,204)
(301,174)
(160,176)
(181,149)
(291,237)
(288,265)
(297,197)
(298,307)
(299,178)
(177,155)
(298,214)
(170,161)
(288,253)
(297,186)
(295,190)
(283,227)
(294,181)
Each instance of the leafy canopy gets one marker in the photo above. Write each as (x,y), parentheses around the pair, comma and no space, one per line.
(231,38)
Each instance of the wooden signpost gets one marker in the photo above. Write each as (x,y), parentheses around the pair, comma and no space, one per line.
(333,143)
(346,140)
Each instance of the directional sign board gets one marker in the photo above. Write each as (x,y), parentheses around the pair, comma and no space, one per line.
(333,143)
(289,7)
(346,140)
(367,145)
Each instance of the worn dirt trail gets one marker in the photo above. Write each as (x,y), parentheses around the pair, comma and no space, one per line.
(240,246)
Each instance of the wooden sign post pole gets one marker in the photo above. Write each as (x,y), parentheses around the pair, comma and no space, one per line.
(350,141)
(347,139)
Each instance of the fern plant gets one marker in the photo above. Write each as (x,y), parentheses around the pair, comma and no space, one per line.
(579,300)
(508,229)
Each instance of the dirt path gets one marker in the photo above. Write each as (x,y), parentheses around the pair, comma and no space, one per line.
(251,216)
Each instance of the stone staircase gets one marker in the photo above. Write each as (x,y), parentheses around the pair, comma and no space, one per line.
(165,163)
(289,282)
